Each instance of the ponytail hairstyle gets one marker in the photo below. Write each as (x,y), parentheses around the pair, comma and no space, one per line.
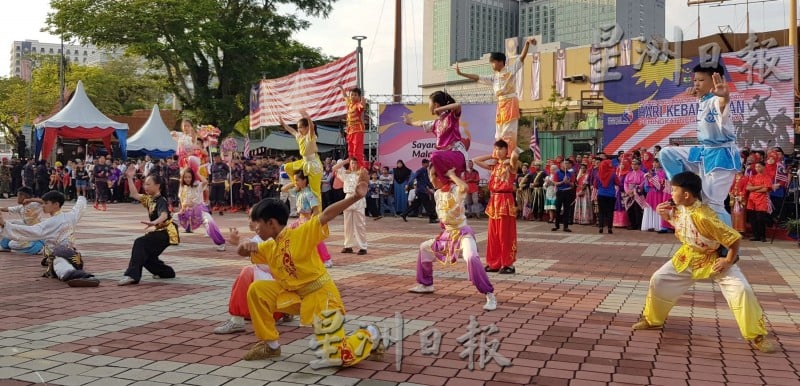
(442,98)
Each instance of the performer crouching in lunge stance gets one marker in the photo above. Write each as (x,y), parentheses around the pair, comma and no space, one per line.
(194,211)
(701,232)
(147,249)
(302,285)
(58,233)
(456,238)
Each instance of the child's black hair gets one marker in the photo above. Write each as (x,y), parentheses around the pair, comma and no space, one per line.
(270,208)
(442,98)
(497,57)
(299,174)
(501,144)
(54,196)
(690,182)
(26,191)
(194,177)
(356,90)
(709,70)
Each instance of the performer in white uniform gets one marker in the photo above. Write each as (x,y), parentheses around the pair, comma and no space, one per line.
(355,221)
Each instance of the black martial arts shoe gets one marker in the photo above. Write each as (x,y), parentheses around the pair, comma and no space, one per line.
(508,270)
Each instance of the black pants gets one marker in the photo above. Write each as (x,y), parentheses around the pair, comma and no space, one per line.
(237,194)
(145,253)
(102,191)
(759,220)
(565,205)
(426,201)
(218,194)
(605,217)
(635,214)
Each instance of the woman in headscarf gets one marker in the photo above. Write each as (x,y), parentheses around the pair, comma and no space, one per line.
(620,211)
(606,185)
(401,176)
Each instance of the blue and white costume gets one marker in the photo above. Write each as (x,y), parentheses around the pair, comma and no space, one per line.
(716,160)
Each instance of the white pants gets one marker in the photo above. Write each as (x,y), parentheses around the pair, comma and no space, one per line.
(716,185)
(667,286)
(62,267)
(285,196)
(355,228)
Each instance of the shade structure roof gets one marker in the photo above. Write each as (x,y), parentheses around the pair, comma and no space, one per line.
(154,136)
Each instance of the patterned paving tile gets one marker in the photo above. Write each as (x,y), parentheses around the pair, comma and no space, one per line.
(564,318)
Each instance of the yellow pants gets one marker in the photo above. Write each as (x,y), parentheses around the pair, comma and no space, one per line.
(667,286)
(314,179)
(265,297)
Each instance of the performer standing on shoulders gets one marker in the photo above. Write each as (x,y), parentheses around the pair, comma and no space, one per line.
(451,148)
(504,83)
(355,124)
(310,164)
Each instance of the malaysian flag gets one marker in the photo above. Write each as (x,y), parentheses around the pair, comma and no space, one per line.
(247,147)
(316,90)
(537,151)
(781,176)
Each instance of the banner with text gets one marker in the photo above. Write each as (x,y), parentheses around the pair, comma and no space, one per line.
(650,106)
(398,141)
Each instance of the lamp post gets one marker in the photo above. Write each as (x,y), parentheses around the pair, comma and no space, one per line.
(360,61)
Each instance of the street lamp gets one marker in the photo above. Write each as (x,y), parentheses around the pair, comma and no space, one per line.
(360,61)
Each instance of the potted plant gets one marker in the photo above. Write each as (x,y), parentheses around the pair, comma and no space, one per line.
(792,227)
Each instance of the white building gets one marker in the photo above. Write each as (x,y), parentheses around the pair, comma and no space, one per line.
(22,51)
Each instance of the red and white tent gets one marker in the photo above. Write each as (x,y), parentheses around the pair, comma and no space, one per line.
(80,119)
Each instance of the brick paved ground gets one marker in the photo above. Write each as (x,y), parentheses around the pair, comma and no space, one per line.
(563,319)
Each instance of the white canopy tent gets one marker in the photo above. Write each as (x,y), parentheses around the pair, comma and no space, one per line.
(153,139)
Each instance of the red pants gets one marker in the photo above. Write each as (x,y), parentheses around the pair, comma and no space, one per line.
(501,243)
(237,305)
(355,146)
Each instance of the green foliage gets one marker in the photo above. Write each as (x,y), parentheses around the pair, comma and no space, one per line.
(555,114)
(792,226)
(116,88)
(211,50)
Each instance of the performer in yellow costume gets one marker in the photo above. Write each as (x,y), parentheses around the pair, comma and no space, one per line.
(301,283)
(310,163)
(701,233)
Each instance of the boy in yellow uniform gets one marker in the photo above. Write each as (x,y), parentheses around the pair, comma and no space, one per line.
(301,284)
(701,233)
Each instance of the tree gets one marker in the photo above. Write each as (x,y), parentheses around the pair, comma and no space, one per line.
(555,114)
(211,50)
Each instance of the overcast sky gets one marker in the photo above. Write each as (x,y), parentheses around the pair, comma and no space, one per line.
(375,19)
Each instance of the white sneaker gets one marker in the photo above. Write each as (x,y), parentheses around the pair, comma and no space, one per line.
(221,247)
(229,327)
(422,289)
(127,280)
(491,302)
(328,264)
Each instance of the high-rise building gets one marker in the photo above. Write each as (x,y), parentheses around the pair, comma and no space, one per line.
(23,53)
(466,29)
(575,22)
